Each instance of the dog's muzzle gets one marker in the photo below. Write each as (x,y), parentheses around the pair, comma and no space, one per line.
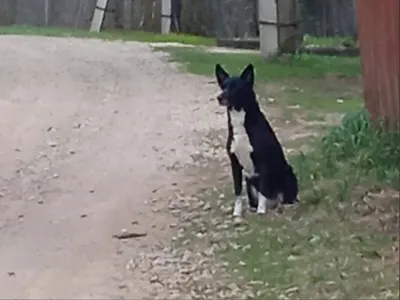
(222,100)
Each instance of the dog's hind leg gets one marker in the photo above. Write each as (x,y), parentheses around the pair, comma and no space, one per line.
(262,204)
(252,193)
(263,186)
(237,186)
(265,202)
(291,188)
(265,195)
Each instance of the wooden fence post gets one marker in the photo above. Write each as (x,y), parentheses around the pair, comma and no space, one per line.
(127,14)
(290,35)
(166,12)
(268,19)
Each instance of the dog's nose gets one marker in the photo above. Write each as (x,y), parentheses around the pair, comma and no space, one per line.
(222,100)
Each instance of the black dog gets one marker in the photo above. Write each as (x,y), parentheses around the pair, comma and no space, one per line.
(252,146)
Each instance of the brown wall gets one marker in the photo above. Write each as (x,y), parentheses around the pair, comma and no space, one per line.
(378,26)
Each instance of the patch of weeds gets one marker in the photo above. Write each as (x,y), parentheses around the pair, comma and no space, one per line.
(361,150)
(200,61)
(351,158)
(109,34)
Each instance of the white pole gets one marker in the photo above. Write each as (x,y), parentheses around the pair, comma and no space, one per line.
(98,15)
(166,12)
(268,28)
(46,12)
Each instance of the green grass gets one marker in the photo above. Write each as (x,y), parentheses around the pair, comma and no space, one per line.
(314,97)
(198,61)
(115,34)
(318,83)
(328,41)
(340,242)
(314,257)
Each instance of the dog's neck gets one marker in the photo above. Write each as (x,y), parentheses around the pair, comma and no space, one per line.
(237,119)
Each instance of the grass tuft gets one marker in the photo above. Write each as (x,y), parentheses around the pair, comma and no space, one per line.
(354,151)
(366,148)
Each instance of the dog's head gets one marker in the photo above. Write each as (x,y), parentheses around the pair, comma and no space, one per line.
(235,90)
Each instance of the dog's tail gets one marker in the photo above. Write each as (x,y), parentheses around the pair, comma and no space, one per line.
(291,187)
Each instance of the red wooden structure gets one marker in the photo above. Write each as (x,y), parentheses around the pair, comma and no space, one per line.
(378,29)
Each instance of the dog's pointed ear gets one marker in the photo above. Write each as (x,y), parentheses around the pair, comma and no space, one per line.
(248,74)
(220,74)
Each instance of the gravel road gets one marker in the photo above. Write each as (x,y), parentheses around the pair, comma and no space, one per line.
(89,130)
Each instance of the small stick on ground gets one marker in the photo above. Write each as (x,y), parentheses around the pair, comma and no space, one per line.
(129,235)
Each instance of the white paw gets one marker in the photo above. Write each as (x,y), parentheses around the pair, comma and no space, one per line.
(237,209)
(261,210)
(262,204)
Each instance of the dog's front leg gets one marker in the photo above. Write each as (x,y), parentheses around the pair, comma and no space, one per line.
(237,185)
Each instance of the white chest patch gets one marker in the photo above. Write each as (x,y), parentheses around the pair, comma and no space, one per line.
(241,144)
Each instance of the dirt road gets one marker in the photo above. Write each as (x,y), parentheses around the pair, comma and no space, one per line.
(88,131)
